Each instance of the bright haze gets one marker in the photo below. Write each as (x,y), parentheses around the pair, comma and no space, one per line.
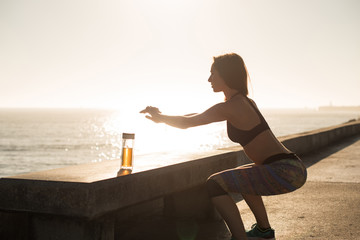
(133,53)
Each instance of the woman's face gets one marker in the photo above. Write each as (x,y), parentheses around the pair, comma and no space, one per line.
(217,83)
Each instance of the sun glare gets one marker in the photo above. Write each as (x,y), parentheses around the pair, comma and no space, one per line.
(154,138)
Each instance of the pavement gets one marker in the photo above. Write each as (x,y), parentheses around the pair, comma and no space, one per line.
(326,207)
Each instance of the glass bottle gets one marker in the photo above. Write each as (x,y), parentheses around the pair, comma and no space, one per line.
(127,154)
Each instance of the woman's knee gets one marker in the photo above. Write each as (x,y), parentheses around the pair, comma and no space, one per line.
(213,188)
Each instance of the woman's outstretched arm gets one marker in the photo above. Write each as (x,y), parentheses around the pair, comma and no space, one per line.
(216,113)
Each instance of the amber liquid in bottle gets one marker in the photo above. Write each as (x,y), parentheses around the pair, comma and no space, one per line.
(127,158)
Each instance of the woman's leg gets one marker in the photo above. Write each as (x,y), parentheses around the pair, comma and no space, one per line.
(257,206)
(231,215)
(241,179)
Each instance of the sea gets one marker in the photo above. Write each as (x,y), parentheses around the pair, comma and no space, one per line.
(40,139)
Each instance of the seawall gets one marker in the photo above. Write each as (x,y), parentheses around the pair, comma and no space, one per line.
(91,202)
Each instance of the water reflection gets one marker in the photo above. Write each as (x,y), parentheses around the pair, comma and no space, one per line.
(151,137)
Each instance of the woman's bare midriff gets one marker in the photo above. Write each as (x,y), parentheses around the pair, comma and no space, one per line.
(263,146)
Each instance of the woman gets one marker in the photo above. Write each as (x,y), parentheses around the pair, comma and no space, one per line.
(275,170)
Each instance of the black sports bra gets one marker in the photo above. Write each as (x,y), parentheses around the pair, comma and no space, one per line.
(245,136)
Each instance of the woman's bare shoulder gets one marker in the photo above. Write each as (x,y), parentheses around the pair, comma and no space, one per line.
(239,103)
(241,111)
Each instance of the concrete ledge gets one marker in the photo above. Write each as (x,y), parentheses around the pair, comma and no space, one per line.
(91,195)
(90,200)
(304,143)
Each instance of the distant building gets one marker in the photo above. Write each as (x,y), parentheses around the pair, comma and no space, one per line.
(340,108)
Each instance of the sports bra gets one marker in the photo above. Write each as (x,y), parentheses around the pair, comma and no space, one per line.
(245,136)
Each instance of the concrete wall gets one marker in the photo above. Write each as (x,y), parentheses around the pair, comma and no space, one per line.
(90,202)
(307,142)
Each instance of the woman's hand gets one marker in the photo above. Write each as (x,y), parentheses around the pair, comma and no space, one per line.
(216,113)
(154,112)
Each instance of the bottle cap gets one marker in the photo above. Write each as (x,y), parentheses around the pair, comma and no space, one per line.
(128,135)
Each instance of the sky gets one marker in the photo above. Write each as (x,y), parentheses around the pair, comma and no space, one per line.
(133,53)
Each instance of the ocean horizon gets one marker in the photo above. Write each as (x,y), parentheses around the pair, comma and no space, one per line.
(40,139)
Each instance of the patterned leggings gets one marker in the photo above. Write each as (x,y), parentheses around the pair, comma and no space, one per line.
(279,174)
